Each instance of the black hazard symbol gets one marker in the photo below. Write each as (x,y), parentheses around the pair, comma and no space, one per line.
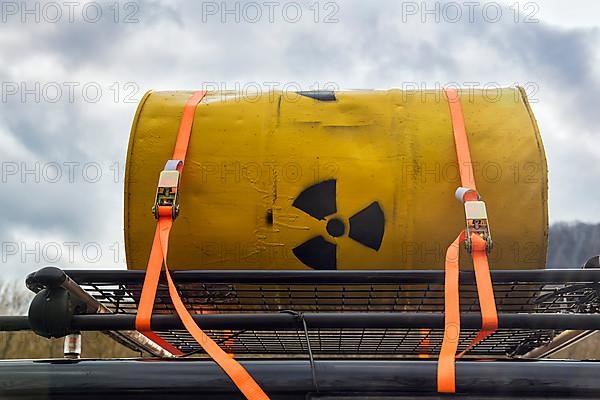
(319,201)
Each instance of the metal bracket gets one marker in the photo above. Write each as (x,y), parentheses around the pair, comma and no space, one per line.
(59,298)
(72,346)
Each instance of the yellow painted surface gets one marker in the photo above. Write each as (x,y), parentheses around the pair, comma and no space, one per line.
(250,158)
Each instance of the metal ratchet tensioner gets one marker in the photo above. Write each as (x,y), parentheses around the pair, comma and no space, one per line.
(476,219)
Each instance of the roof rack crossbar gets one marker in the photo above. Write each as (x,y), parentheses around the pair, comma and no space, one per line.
(285,321)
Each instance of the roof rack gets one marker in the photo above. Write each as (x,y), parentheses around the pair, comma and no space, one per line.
(366,334)
(329,314)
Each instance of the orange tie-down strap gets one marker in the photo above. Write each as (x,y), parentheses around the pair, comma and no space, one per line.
(446,376)
(158,257)
(461,140)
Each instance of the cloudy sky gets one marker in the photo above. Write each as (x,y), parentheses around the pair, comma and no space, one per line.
(71,74)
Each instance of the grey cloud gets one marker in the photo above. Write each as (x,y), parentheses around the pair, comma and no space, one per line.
(171,47)
(561,60)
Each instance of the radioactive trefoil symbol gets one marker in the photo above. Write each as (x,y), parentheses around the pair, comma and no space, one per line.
(319,201)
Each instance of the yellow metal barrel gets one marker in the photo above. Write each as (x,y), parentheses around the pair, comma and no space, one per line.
(344,180)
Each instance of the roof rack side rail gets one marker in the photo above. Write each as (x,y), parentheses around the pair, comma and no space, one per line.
(59,298)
